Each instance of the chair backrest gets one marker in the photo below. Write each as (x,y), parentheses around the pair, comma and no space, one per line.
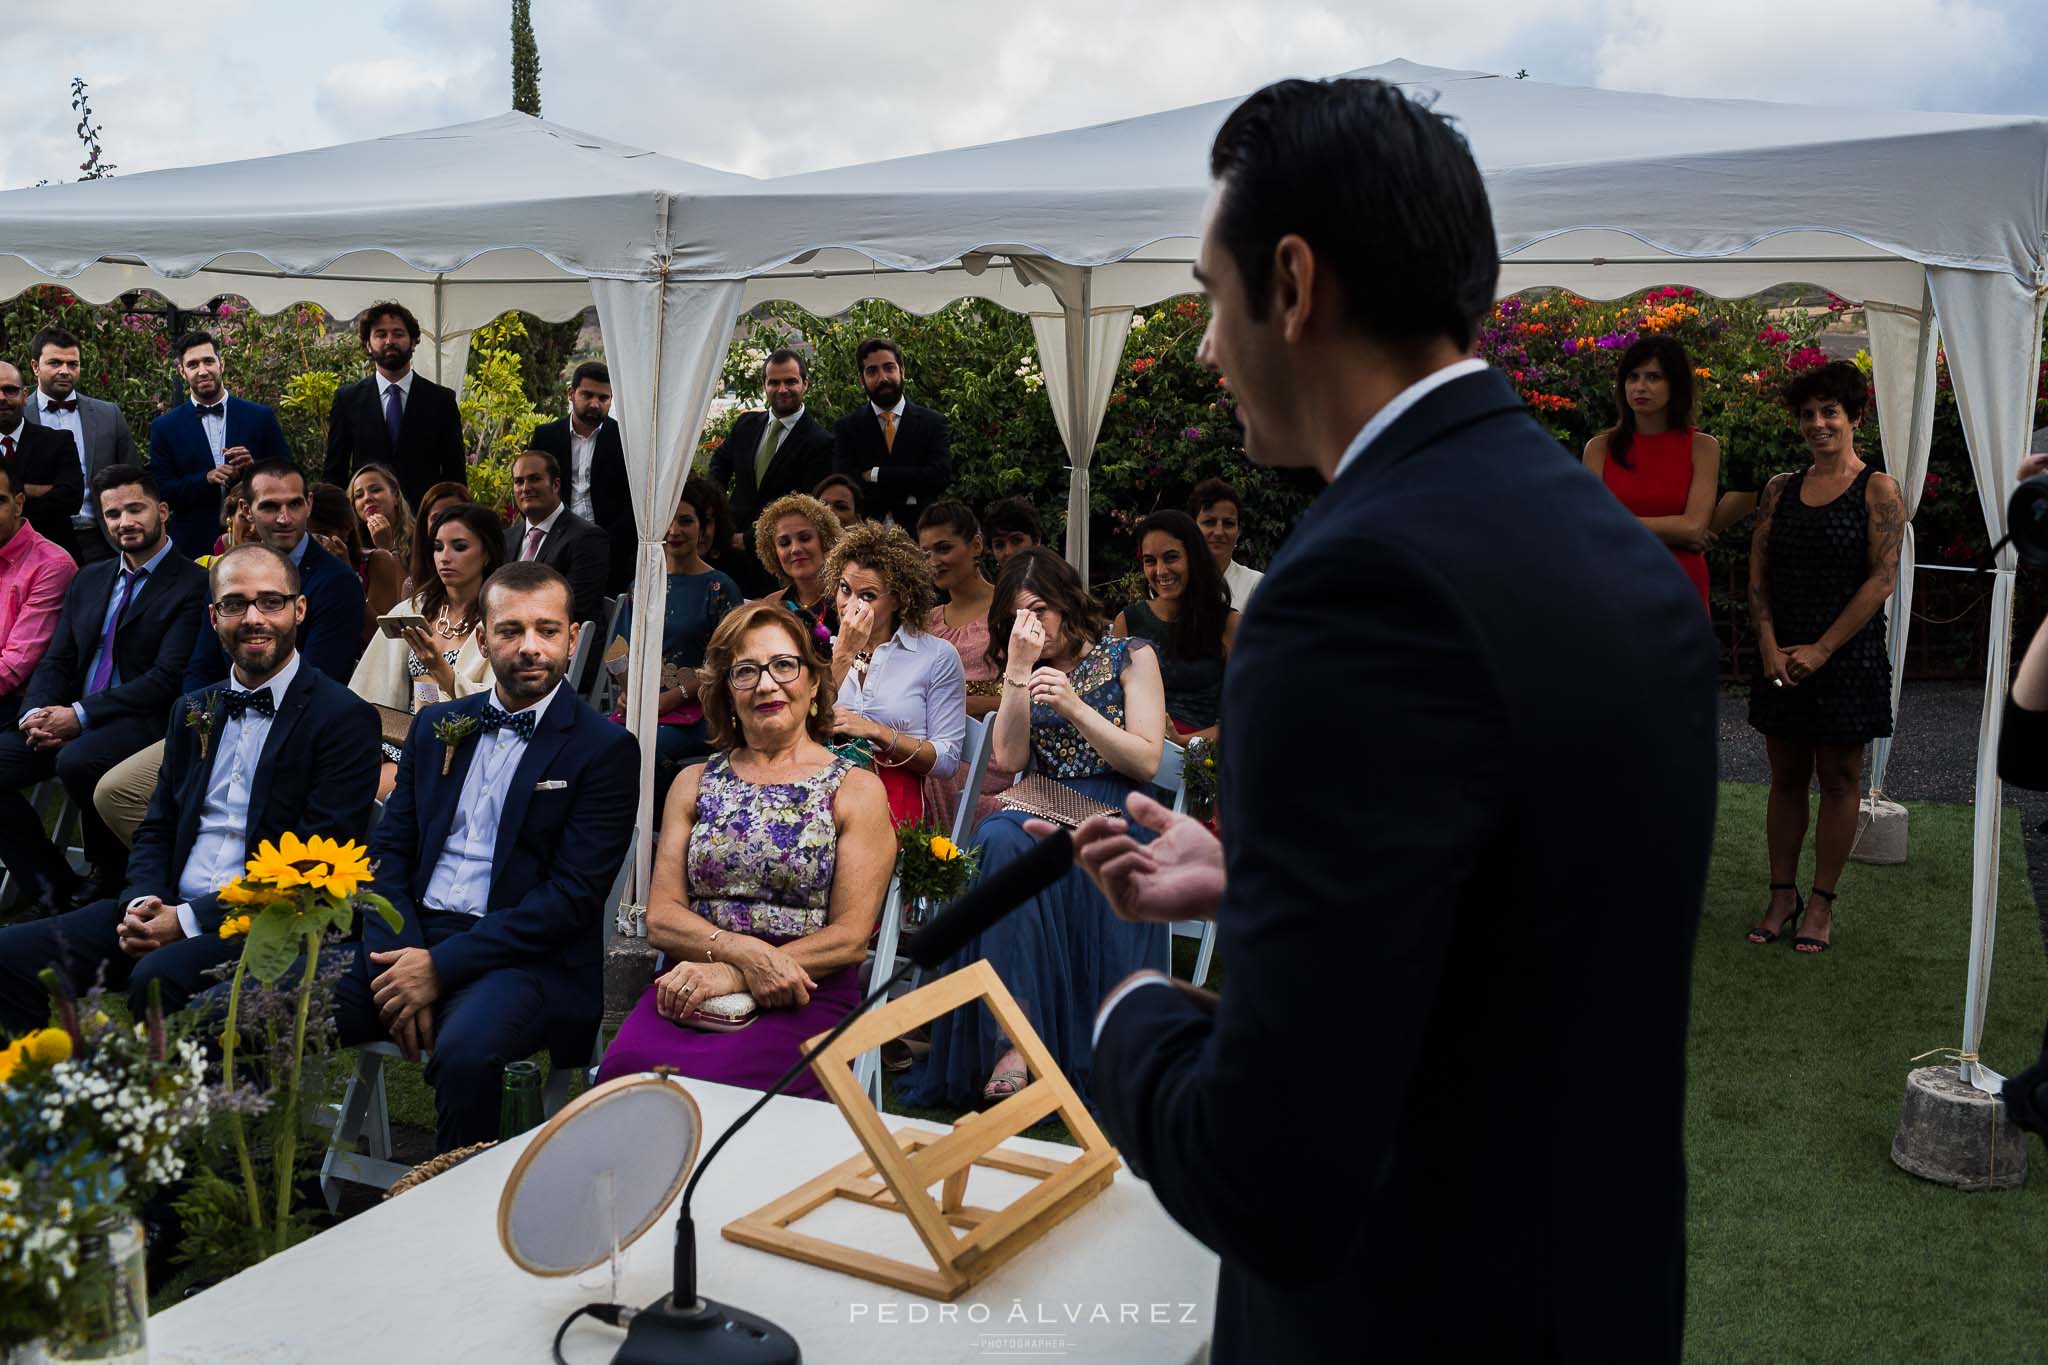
(603,687)
(980,741)
(1171,777)
(618,892)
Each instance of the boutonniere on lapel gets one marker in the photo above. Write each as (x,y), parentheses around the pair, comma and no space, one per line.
(200,718)
(451,731)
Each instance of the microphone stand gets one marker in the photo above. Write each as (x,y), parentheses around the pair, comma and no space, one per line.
(683,1326)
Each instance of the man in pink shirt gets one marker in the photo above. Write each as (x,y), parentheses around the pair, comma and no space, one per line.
(33,575)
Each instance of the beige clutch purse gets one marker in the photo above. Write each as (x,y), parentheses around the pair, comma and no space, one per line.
(1036,794)
(723,1013)
(396,724)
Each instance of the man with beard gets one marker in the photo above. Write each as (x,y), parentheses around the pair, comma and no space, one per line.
(1457,585)
(44,464)
(327,638)
(395,417)
(587,446)
(766,455)
(199,448)
(104,688)
(98,430)
(899,451)
(506,828)
(277,747)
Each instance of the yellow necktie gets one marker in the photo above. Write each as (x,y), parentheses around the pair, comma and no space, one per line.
(889,430)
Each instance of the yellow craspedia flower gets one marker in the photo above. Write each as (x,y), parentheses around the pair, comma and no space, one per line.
(338,868)
(234,926)
(944,849)
(48,1046)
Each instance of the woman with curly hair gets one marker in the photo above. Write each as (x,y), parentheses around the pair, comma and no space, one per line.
(902,692)
(792,536)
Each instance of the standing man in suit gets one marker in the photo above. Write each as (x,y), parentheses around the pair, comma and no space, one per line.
(1460,609)
(328,637)
(767,454)
(285,748)
(44,463)
(98,431)
(395,417)
(201,447)
(899,451)
(499,869)
(549,533)
(587,446)
(104,687)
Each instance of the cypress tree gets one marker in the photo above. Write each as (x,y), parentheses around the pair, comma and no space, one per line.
(525,60)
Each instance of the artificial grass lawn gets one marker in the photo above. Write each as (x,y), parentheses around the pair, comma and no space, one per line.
(1805,1241)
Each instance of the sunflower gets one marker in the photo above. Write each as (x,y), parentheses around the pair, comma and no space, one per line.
(339,868)
(241,893)
(234,926)
(278,863)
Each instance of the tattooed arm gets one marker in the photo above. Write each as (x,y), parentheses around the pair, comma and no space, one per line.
(1887,528)
(1760,581)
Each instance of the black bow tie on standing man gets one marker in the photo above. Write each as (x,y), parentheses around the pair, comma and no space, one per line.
(213,409)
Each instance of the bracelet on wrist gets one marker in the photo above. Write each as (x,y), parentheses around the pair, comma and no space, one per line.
(1009,681)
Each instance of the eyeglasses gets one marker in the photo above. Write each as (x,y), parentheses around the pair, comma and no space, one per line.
(745,677)
(236,605)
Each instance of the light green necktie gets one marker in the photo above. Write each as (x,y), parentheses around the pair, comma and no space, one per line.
(766,455)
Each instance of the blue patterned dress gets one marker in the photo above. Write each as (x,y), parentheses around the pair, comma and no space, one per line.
(1063,950)
(759,862)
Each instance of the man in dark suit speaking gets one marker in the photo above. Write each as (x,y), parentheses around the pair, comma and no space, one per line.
(1479,926)
(900,452)
(394,416)
(766,455)
(198,448)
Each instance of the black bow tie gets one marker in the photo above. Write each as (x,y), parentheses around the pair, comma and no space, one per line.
(213,409)
(68,405)
(519,722)
(235,702)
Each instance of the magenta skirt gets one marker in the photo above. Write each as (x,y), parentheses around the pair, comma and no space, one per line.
(755,1057)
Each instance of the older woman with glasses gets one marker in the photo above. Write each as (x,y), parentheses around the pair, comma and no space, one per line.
(774,859)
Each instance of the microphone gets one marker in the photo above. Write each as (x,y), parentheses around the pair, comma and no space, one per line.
(684,1327)
(988,900)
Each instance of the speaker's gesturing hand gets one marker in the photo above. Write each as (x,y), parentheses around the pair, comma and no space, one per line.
(1177,876)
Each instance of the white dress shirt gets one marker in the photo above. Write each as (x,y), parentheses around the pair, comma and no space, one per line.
(1242,582)
(914,684)
(582,455)
(404,386)
(1367,434)
(546,527)
(215,425)
(222,848)
(73,423)
(462,876)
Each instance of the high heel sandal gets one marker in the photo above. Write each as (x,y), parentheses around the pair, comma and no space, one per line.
(1814,947)
(1759,934)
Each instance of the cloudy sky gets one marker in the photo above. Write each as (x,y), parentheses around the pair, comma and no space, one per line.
(800,84)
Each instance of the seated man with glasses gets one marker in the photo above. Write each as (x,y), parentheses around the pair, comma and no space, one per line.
(277,747)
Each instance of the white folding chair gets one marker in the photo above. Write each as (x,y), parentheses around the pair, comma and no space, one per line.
(979,744)
(867,1069)
(603,687)
(1171,779)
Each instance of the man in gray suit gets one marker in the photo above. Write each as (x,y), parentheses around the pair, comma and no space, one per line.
(95,425)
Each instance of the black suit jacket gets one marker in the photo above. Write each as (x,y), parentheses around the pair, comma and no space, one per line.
(150,648)
(579,550)
(46,455)
(559,848)
(317,774)
(1486,905)
(913,473)
(611,499)
(803,458)
(430,447)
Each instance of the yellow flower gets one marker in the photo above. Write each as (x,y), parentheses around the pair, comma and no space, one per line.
(48,1046)
(10,1061)
(340,867)
(234,926)
(944,849)
(239,893)
(278,863)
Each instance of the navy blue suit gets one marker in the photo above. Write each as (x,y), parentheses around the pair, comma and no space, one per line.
(1490,895)
(528,973)
(331,636)
(317,775)
(181,459)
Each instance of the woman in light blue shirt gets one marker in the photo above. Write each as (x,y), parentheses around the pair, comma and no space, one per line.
(902,692)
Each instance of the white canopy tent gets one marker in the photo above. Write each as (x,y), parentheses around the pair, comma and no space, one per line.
(1605,193)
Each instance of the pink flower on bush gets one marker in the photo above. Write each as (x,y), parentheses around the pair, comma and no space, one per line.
(1142,364)
(1191,434)
(1806,358)
(1774,336)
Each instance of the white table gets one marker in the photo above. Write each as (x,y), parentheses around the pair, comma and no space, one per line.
(422,1278)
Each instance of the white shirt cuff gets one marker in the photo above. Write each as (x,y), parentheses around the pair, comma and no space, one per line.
(187,921)
(1116,998)
(78,709)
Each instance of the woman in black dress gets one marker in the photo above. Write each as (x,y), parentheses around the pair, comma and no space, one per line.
(1822,563)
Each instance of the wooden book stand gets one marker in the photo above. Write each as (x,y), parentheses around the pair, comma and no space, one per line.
(899,1169)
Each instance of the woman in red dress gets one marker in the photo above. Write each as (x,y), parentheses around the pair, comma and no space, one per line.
(1653,461)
